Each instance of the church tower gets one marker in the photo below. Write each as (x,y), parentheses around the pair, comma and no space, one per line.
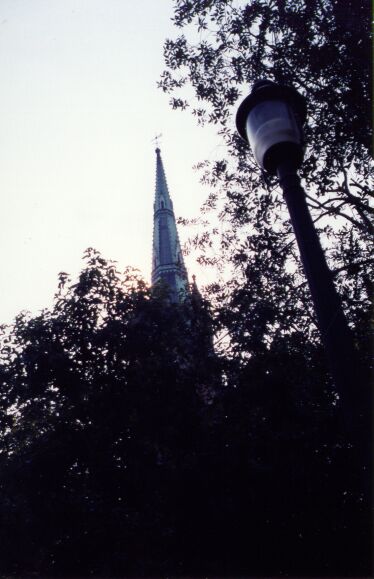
(167,259)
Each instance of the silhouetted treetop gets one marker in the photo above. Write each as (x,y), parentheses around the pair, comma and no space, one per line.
(322,47)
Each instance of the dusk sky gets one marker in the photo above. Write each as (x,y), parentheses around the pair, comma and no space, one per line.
(79,108)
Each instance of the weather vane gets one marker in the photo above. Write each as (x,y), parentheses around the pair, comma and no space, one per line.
(156,140)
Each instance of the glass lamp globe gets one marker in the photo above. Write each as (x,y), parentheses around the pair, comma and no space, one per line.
(270,119)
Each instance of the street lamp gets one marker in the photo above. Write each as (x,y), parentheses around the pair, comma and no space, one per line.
(270,119)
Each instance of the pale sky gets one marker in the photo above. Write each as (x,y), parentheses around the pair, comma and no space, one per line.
(79,107)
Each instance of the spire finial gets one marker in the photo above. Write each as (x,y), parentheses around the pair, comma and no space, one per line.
(156,141)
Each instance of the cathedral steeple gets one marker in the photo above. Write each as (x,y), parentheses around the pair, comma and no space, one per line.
(167,260)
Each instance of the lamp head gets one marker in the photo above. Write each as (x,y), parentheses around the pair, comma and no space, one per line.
(270,119)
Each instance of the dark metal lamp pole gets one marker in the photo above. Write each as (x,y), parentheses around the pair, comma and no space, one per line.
(271,119)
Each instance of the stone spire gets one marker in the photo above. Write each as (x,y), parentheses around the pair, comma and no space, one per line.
(167,260)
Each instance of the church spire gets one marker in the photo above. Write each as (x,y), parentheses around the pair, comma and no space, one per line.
(167,261)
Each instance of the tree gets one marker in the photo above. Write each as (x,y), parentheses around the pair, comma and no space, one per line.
(105,400)
(128,447)
(321,47)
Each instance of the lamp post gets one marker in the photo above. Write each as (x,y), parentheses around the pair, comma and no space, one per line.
(270,119)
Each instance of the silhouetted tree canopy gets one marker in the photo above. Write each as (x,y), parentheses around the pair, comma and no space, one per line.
(129,448)
(322,47)
(103,399)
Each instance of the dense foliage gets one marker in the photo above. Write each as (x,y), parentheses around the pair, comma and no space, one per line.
(322,47)
(128,448)
(102,410)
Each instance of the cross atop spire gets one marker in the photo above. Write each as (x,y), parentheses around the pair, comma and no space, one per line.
(167,263)
(156,140)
